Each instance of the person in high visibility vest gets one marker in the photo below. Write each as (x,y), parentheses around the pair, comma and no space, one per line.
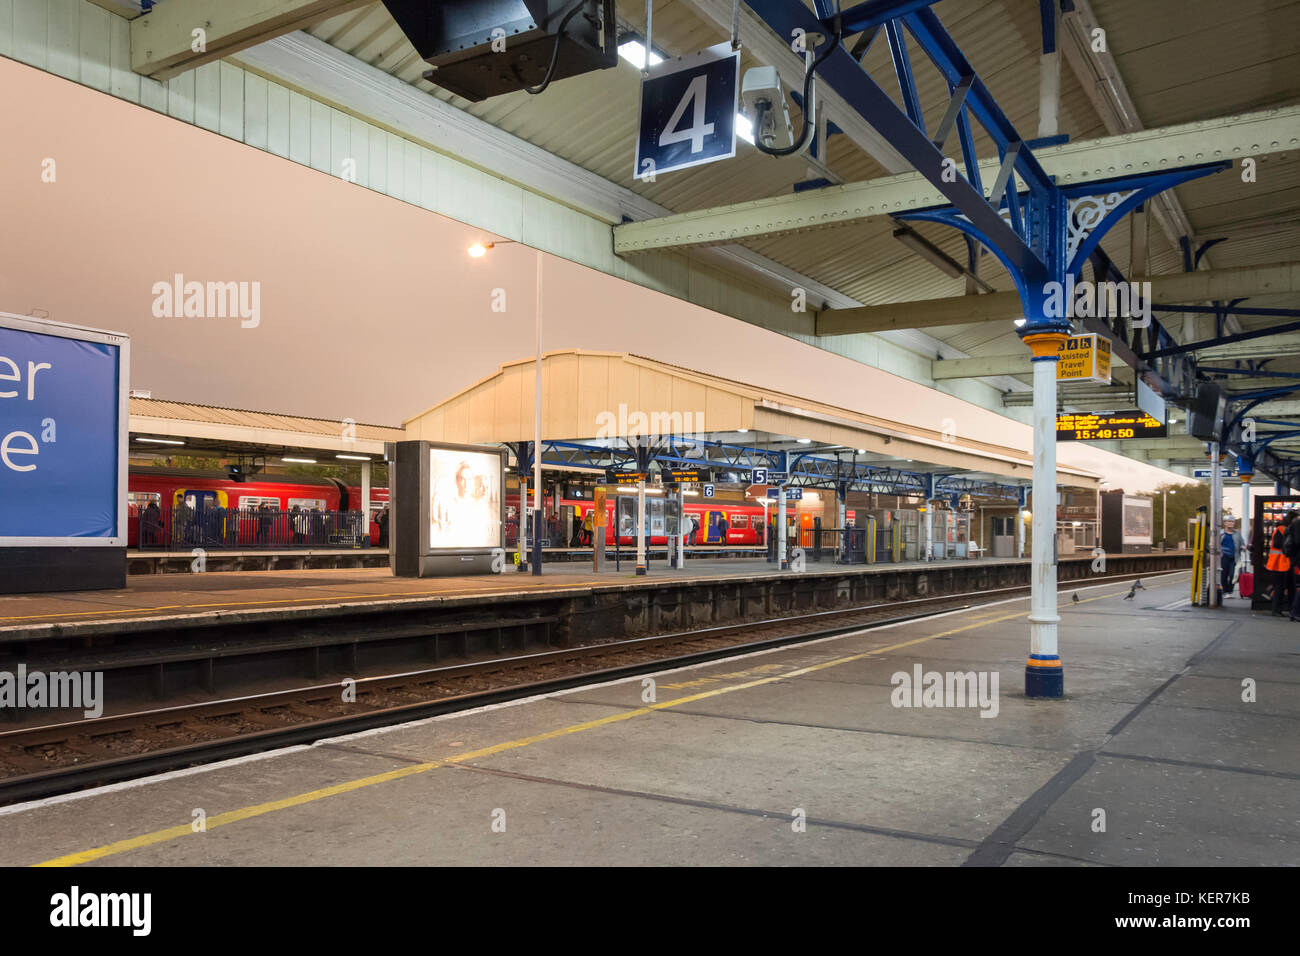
(1279,565)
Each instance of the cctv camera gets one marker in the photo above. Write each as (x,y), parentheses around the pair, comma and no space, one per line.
(763,101)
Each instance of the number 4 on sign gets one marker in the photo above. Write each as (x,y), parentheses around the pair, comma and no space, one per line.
(688,112)
(698,128)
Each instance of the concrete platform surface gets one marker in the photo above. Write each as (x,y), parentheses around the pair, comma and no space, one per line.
(153,595)
(1175,745)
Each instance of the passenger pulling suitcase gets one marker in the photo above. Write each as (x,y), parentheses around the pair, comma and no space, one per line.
(1246,584)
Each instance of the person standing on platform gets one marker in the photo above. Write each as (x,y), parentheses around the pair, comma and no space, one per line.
(588,527)
(264,520)
(1230,550)
(1279,565)
(151,523)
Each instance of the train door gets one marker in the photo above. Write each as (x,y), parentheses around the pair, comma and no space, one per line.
(196,519)
(713,527)
(805,530)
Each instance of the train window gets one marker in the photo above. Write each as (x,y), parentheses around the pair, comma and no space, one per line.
(307,504)
(137,501)
(249,502)
(738,521)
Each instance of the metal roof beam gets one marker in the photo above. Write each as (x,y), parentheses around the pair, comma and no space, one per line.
(771,50)
(978,367)
(1273,279)
(163,41)
(838,70)
(1275,346)
(1095,160)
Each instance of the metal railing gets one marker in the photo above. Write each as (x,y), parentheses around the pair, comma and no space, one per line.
(180,529)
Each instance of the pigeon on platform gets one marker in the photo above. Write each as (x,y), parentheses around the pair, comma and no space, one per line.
(1138,586)
(1131,591)
(1075,599)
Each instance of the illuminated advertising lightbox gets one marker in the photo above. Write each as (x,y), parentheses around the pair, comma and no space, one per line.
(1138,520)
(464,499)
(63,428)
(448,509)
(63,433)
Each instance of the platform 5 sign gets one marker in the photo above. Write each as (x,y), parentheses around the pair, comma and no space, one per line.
(688,112)
(62,434)
(1084,358)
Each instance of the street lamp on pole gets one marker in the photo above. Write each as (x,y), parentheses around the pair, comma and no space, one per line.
(477,251)
(1164,521)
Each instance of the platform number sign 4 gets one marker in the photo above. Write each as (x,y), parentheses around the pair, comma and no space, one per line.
(708,491)
(688,112)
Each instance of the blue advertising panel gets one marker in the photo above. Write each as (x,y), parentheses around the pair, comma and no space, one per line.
(688,112)
(62,434)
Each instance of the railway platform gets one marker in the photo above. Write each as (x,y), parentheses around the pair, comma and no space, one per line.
(302,559)
(196,599)
(809,754)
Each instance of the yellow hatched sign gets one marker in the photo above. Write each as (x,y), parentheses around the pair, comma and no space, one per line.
(1084,358)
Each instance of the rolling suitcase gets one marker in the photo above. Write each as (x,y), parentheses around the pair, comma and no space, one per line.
(1246,584)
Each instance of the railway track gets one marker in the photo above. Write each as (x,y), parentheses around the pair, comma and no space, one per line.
(59,758)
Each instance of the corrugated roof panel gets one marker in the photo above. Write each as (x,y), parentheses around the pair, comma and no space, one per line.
(1179,61)
(212,414)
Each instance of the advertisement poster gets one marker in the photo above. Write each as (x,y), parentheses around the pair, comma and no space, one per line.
(1138,521)
(61,434)
(465,506)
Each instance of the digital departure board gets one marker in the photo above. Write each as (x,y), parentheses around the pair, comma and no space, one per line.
(1108,426)
(678,476)
(617,477)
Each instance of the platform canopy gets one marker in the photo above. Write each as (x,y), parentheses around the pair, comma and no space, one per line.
(617,398)
(157,426)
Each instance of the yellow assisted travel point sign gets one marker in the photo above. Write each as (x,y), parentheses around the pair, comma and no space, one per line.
(1084,358)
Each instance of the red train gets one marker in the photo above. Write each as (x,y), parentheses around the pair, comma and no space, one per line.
(714,522)
(201,490)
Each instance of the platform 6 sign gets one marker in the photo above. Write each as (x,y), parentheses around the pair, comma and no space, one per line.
(62,434)
(1109,426)
(688,112)
(1084,358)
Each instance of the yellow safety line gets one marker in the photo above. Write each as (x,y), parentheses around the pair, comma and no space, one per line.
(248,813)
